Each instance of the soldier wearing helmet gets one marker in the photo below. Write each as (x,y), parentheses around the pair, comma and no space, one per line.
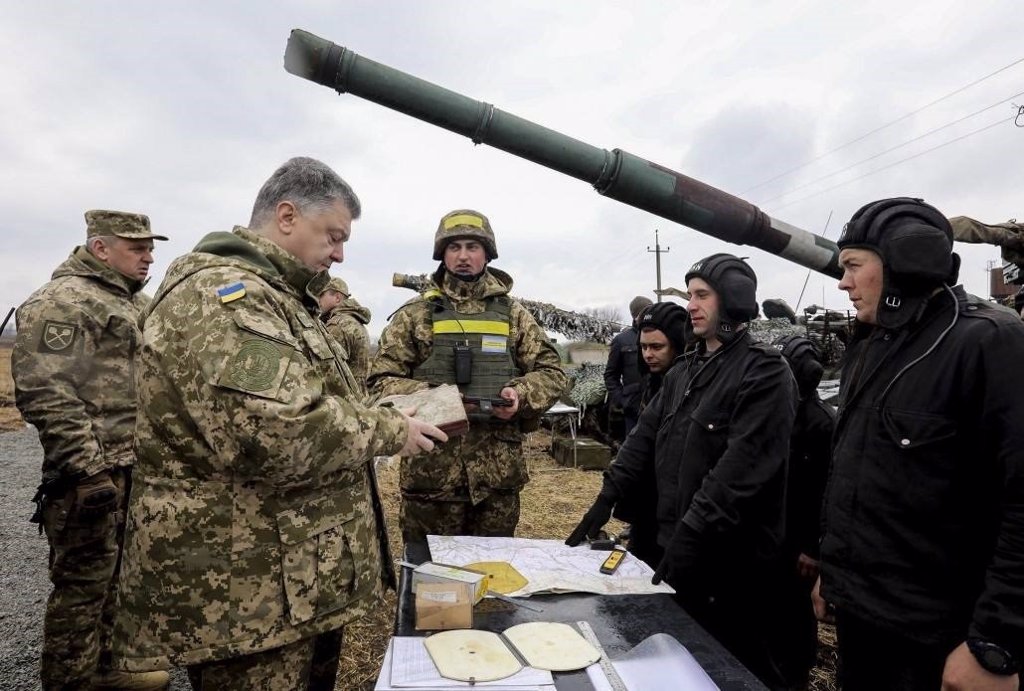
(346,320)
(465,329)
(921,559)
(717,440)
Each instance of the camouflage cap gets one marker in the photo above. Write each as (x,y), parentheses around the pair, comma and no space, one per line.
(123,224)
(338,285)
(464,223)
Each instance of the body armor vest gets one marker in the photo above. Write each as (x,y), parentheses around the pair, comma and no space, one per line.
(482,338)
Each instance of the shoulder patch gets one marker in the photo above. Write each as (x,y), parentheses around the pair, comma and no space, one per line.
(232,292)
(255,366)
(57,337)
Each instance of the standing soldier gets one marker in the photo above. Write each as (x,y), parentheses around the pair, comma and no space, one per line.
(346,320)
(622,377)
(73,364)
(466,330)
(255,530)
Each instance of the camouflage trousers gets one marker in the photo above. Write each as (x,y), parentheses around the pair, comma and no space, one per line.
(310,664)
(496,516)
(85,551)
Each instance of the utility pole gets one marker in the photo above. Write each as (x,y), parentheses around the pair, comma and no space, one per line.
(657,260)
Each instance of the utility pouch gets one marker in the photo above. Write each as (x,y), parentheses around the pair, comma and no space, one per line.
(463,364)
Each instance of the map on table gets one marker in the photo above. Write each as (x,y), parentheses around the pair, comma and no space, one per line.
(549,566)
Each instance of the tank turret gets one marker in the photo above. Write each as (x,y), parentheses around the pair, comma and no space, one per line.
(617,174)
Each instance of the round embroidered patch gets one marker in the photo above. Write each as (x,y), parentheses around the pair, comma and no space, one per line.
(254,367)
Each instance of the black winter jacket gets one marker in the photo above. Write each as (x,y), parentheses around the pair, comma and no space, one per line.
(924,511)
(809,459)
(717,435)
(621,375)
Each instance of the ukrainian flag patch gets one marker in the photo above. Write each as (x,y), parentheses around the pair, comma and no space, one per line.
(493,344)
(232,292)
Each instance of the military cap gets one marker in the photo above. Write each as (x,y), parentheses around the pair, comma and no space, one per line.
(336,284)
(122,224)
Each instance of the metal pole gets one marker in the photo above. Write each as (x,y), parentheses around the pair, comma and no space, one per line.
(657,261)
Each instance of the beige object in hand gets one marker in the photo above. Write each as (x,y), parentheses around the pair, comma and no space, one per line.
(440,406)
(552,646)
(472,656)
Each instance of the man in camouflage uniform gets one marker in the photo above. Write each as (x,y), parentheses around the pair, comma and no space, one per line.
(466,330)
(346,320)
(255,530)
(72,363)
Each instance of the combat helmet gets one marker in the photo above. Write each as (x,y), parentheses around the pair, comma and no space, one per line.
(464,223)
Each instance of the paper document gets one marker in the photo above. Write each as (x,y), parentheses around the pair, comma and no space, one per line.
(659,663)
(549,566)
(407,665)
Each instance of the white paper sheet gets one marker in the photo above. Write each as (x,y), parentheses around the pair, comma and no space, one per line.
(407,666)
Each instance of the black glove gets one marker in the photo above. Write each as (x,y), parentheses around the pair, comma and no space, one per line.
(593,520)
(680,557)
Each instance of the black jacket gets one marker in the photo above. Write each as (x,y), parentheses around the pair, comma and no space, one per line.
(924,511)
(717,436)
(809,459)
(621,375)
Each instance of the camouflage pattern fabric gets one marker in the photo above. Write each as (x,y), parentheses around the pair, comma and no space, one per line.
(286,667)
(347,323)
(72,365)
(254,520)
(495,516)
(489,457)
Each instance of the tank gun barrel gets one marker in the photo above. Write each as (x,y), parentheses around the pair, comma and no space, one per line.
(617,174)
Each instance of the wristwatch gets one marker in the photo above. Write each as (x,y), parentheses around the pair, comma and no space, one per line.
(993,657)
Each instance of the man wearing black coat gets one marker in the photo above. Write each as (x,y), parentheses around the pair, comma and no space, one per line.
(717,438)
(621,377)
(922,551)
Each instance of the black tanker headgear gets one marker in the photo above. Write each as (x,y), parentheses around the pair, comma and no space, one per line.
(736,285)
(671,319)
(915,243)
(804,360)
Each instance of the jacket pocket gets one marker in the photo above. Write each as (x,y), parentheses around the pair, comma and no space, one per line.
(710,419)
(912,431)
(324,558)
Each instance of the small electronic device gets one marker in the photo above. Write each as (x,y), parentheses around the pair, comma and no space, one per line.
(612,561)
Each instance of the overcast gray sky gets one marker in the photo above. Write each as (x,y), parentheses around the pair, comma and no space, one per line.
(181,111)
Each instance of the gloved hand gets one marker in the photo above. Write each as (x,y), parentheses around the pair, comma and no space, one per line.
(96,495)
(680,556)
(593,520)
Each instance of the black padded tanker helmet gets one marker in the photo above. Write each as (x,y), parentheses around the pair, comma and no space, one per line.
(736,285)
(804,360)
(915,243)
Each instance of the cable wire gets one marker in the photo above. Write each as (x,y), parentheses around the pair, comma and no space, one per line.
(882,127)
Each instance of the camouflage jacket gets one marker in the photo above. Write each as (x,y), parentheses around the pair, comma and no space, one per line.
(489,456)
(254,519)
(347,323)
(73,366)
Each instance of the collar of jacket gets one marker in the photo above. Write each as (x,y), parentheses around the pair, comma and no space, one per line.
(492,283)
(699,378)
(266,258)
(352,308)
(83,263)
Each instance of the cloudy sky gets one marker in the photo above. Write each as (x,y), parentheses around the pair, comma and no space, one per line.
(181,110)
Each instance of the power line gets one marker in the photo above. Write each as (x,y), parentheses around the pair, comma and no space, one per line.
(889,150)
(879,129)
(893,164)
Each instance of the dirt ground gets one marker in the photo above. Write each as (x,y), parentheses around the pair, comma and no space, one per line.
(552,504)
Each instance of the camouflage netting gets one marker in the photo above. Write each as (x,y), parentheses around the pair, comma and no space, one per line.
(573,325)
(587,385)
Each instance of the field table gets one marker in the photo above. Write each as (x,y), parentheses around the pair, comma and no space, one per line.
(620,622)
